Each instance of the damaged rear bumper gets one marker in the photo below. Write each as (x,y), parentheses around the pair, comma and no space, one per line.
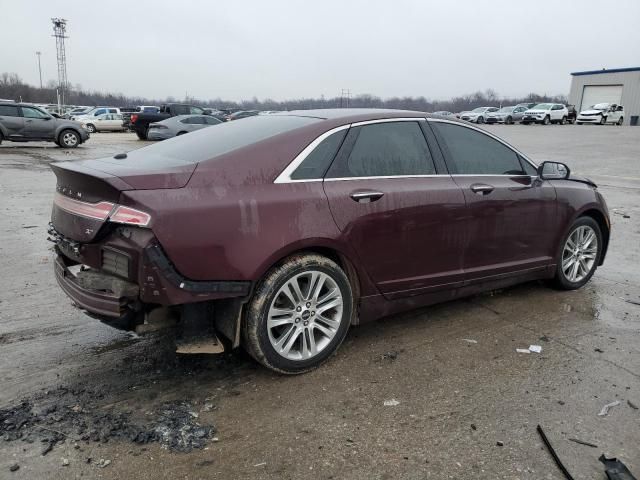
(110,303)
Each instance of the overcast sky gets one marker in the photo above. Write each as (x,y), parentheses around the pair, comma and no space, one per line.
(289,49)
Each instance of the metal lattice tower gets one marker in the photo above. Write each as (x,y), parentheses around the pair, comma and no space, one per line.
(59,31)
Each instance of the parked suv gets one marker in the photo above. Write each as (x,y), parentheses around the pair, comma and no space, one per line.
(278,232)
(546,113)
(602,113)
(22,122)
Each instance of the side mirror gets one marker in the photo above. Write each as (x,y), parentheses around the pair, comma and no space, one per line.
(553,171)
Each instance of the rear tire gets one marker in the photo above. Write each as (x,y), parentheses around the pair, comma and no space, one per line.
(563,121)
(68,139)
(619,122)
(289,307)
(1,138)
(579,255)
(509,121)
(142,135)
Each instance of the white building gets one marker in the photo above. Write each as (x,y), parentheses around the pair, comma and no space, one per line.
(618,85)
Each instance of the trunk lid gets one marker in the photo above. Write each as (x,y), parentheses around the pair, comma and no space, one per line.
(87,191)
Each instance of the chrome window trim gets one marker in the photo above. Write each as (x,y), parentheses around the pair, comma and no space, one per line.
(472,127)
(285,175)
(382,177)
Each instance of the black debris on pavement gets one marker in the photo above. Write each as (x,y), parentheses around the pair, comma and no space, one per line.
(615,469)
(553,453)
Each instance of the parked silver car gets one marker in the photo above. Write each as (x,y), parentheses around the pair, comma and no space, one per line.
(108,122)
(478,115)
(179,125)
(507,115)
(20,122)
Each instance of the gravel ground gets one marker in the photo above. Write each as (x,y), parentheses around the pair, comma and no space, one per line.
(436,393)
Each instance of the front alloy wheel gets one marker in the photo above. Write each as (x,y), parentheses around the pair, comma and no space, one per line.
(546,120)
(580,254)
(69,139)
(299,314)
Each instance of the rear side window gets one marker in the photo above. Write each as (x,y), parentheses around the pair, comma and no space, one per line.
(9,111)
(386,149)
(211,121)
(100,112)
(317,162)
(474,153)
(29,112)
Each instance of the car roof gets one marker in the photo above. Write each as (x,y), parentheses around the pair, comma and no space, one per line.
(354,114)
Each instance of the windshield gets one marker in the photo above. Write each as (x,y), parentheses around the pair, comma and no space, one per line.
(542,106)
(479,109)
(506,109)
(600,106)
(208,143)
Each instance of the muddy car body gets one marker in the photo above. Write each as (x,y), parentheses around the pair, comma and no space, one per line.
(280,231)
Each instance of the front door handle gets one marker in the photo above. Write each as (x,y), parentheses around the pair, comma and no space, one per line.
(366,196)
(482,188)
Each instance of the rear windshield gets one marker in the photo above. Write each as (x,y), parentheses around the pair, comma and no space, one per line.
(211,142)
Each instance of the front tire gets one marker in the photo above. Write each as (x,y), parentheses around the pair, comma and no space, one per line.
(563,121)
(91,128)
(480,119)
(619,123)
(299,314)
(579,254)
(547,120)
(603,120)
(509,121)
(68,139)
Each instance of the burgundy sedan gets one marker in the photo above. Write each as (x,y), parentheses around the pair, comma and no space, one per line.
(278,232)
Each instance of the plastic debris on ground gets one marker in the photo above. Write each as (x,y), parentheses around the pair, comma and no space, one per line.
(607,407)
(531,349)
(391,403)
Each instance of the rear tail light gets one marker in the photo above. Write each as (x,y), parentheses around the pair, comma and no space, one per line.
(130,216)
(103,211)
(134,118)
(98,211)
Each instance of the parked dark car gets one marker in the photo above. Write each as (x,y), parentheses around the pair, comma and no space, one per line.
(281,231)
(242,114)
(20,122)
(139,122)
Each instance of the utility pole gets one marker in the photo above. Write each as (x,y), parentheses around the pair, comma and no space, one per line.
(59,31)
(345,96)
(39,68)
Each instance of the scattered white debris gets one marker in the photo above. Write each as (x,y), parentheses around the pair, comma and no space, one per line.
(103,463)
(531,349)
(469,340)
(605,409)
(391,403)
(260,464)
(65,462)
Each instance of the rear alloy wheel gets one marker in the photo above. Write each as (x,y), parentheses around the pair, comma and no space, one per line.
(546,120)
(619,122)
(299,314)
(580,254)
(91,128)
(69,139)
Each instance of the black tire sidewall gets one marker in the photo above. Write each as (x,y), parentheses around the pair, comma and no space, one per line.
(560,278)
(274,359)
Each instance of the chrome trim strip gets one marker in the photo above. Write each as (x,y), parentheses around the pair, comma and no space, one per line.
(285,176)
(472,127)
(383,177)
(389,120)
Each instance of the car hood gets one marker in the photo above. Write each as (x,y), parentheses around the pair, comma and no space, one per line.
(536,111)
(590,112)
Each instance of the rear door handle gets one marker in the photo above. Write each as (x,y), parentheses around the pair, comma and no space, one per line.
(482,188)
(366,196)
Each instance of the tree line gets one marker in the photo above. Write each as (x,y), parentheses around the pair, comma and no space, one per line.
(12,87)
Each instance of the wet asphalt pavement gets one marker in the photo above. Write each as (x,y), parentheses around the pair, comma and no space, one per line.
(458,385)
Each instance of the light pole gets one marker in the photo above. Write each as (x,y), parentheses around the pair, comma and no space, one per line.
(39,68)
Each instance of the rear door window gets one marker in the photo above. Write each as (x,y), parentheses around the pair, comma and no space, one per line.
(9,111)
(386,149)
(29,112)
(474,153)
